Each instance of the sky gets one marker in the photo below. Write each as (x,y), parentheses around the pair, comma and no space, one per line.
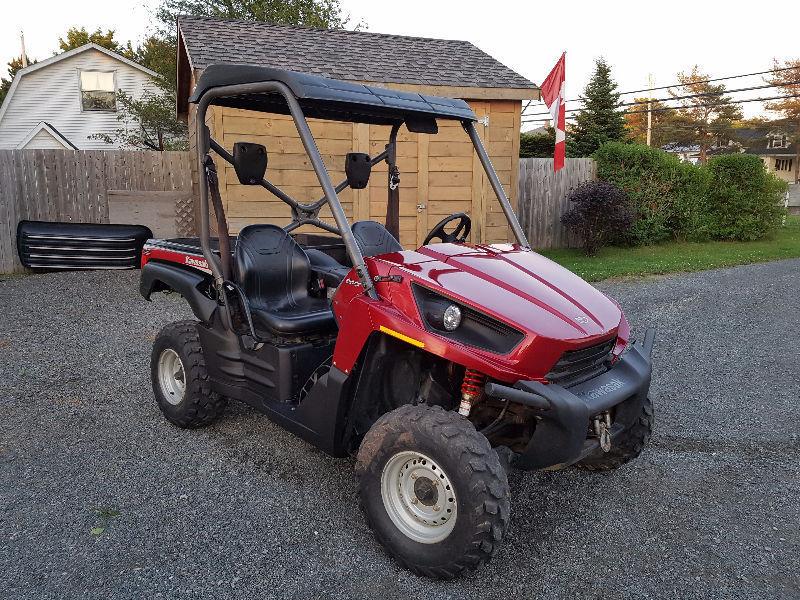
(723,38)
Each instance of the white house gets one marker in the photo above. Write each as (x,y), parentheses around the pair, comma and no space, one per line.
(777,152)
(61,101)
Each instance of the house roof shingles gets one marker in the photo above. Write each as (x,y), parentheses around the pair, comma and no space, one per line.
(343,54)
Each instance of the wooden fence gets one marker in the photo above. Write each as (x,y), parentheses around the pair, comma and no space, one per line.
(543,198)
(74,186)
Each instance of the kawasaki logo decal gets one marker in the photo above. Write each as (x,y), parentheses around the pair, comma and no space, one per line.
(200,263)
(610,386)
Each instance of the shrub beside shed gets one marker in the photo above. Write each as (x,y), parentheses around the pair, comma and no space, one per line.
(439,175)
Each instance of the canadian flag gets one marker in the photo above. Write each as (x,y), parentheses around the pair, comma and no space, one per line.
(553,96)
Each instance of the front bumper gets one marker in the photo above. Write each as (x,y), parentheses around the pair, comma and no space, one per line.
(561,436)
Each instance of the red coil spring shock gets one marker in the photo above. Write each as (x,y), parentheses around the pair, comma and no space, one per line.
(471,390)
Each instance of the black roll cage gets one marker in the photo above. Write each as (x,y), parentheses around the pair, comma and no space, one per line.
(302,213)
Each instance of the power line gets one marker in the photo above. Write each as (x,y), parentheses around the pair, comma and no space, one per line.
(634,112)
(667,129)
(666,87)
(698,95)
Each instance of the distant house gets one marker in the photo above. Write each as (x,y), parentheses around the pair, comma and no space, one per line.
(61,101)
(777,152)
(691,153)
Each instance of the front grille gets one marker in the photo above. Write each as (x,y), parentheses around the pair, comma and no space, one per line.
(577,366)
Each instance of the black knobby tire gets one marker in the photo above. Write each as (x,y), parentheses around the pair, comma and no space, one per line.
(198,406)
(472,467)
(627,446)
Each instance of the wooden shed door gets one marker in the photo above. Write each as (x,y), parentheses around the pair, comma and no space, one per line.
(479,180)
(450,176)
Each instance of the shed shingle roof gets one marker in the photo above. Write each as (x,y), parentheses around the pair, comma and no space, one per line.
(342,54)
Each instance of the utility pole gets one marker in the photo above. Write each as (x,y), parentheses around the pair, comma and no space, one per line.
(650,85)
(24,54)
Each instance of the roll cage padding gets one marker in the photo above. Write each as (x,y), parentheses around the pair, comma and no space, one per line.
(161,277)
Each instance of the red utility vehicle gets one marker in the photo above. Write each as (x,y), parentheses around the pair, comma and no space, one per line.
(439,368)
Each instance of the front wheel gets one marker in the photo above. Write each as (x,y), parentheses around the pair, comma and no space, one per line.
(628,445)
(180,380)
(432,490)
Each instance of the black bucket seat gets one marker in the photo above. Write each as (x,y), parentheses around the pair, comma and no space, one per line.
(273,271)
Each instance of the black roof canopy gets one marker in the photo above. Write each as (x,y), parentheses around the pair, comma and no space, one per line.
(324,98)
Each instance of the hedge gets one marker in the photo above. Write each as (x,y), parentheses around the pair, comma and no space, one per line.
(732,198)
(744,201)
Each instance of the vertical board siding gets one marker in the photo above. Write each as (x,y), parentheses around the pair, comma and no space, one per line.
(543,198)
(72,187)
(437,172)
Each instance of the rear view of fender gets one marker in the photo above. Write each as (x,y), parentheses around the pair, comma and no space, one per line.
(160,277)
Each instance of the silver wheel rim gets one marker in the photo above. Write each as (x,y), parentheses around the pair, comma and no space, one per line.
(171,376)
(419,497)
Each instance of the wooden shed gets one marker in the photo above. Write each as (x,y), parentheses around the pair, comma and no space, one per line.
(439,175)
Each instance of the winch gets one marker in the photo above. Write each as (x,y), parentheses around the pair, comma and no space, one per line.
(602,429)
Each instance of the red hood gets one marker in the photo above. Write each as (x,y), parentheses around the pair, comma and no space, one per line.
(518,286)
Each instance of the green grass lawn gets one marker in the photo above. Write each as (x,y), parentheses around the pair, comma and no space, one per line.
(679,257)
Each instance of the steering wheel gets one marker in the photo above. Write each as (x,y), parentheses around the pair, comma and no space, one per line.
(459,235)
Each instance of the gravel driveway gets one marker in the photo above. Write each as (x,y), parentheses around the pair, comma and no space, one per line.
(101,498)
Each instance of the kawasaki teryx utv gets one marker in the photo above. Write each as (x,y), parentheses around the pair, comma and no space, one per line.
(439,368)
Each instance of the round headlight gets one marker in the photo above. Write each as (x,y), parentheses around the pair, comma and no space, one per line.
(452,317)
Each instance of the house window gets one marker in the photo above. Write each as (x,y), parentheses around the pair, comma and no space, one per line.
(778,141)
(97,91)
(783,164)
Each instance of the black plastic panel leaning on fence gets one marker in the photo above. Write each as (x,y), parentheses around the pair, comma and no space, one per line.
(56,246)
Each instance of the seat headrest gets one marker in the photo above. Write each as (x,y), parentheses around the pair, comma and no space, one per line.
(374,239)
(264,239)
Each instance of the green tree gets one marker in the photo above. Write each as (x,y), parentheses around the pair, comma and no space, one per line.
(14,65)
(323,14)
(599,120)
(665,127)
(75,38)
(147,123)
(708,115)
(537,144)
(157,54)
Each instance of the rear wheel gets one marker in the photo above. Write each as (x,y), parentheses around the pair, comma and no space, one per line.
(627,446)
(432,490)
(180,380)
